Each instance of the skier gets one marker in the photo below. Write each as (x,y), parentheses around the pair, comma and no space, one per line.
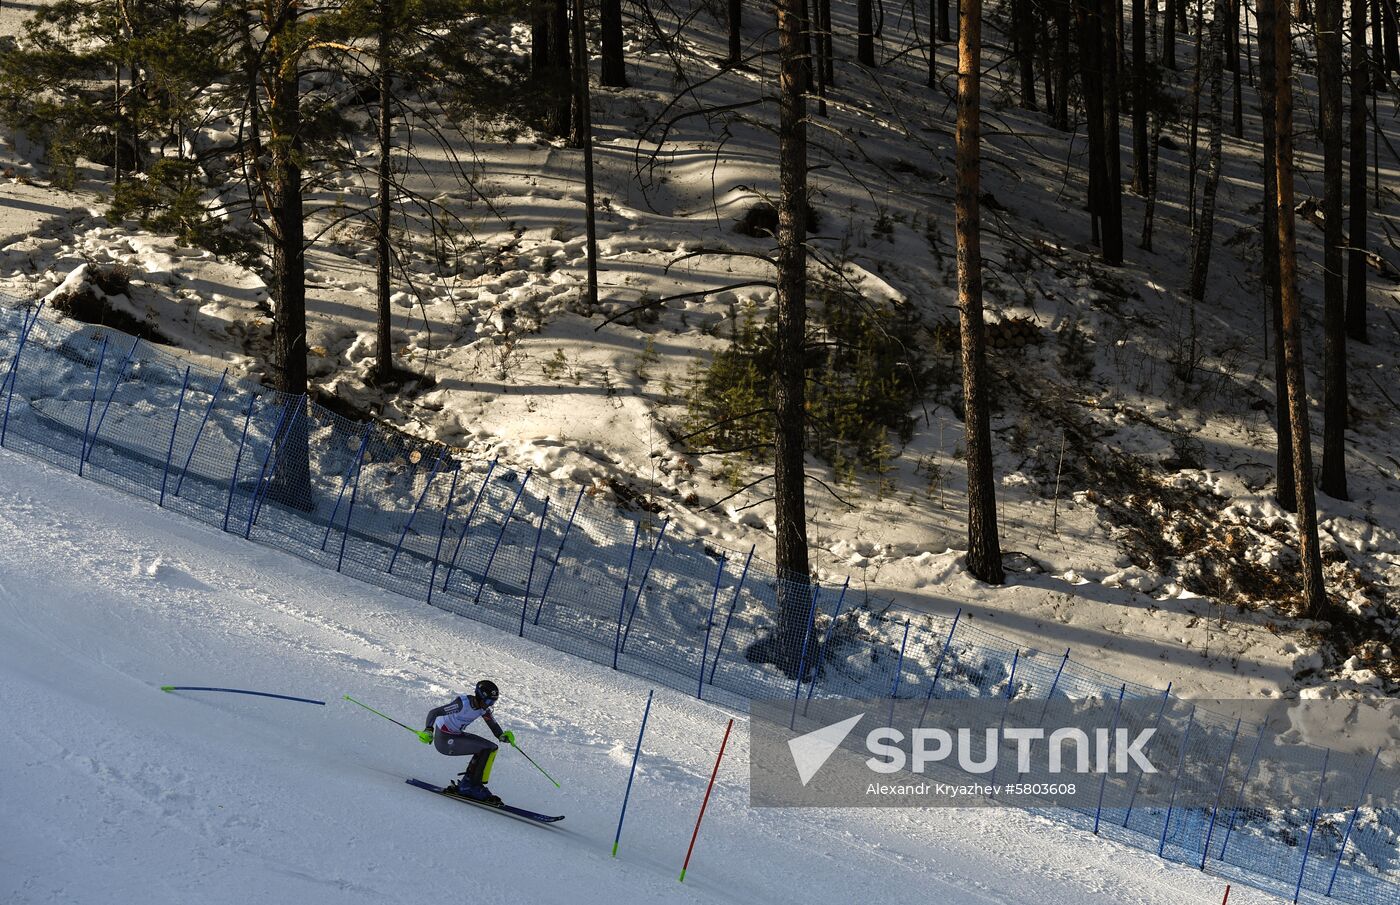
(446,729)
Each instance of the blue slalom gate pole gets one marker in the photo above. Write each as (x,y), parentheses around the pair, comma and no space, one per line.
(96,379)
(530,577)
(563,538)
(274,455)
(1219,791)
(437,463)
(802,657)
(500,535)
(1176,783)
(938,670)
(199,432)
(261,694)
(709,626)
(733,602)
(238,460)
(442,531)
(642,585)
(1312,825)
(636,753)
(1103,781)
(627,580)
(467,526)
(345,482)
(1351,821)
(1055,683)
(107,404)
(12,375)
(174,429)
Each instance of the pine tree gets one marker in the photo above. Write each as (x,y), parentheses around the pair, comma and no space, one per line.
(1329,90)
(1356,226)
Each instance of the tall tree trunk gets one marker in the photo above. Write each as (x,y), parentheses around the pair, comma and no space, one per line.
(613,73)
(1356,227)
(1140,151)
(384,355)
(932,44)
(983,545)
(1150,208)
(583,138)
(1377,58)
(1112,133)
(1025,50)
(865,32)
(794,598)
(1314,589)
(539,38)
(1283,470)
(1334,408)
(945,27)
(1063,66)
(1090,21)
(736,32)
(1205,223)
(828,42)
(1392,37)
(1169,33)
(561,72)
(1233,59)
(1193,147)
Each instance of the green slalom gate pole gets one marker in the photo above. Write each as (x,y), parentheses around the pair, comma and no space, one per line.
(389,718)
(537,766)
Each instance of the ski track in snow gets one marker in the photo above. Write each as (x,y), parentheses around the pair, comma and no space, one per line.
(114,792)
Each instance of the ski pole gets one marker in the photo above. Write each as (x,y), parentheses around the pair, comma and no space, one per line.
(532,761)
(389,718)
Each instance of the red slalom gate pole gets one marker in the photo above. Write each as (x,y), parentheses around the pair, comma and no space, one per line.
(706,802)
(1227,895)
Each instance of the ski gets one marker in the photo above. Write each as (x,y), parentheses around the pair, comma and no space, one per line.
(521,813)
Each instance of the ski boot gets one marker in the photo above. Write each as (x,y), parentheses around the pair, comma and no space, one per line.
(477,792)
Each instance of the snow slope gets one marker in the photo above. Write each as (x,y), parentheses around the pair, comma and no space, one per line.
(113,792)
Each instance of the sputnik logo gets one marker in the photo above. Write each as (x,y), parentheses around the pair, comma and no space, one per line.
(811,751)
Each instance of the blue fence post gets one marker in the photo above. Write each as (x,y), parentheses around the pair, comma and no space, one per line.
(549,579)
(1166,695)
(1010,693)
(826,637)
(199,432)
(1055,683)
(12,374)
(500,535)
(1103,781)
(274,454)
(806,637)
(627,580)
(414,514)
(938,670)
(344,482)
(1176,783)
(898,671)
(96,379)
(642,585)
(530,577)
(1312,825)
(636,753)
(350,511)
(442,531)
(466,527)
(1351,821)
(238,460)
(1220,790)
(111,394)
(733,602)
(1239,798)
(709,625)
(174,428)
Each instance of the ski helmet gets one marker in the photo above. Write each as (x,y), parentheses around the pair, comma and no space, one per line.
(487,693)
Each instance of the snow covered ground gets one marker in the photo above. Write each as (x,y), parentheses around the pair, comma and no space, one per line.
(115,792)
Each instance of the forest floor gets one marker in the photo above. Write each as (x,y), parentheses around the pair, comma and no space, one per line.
(1133,431)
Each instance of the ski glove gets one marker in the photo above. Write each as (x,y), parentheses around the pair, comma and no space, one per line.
(426,736)
(508,737)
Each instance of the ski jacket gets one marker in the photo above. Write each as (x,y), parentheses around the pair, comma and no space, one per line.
(456,715)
